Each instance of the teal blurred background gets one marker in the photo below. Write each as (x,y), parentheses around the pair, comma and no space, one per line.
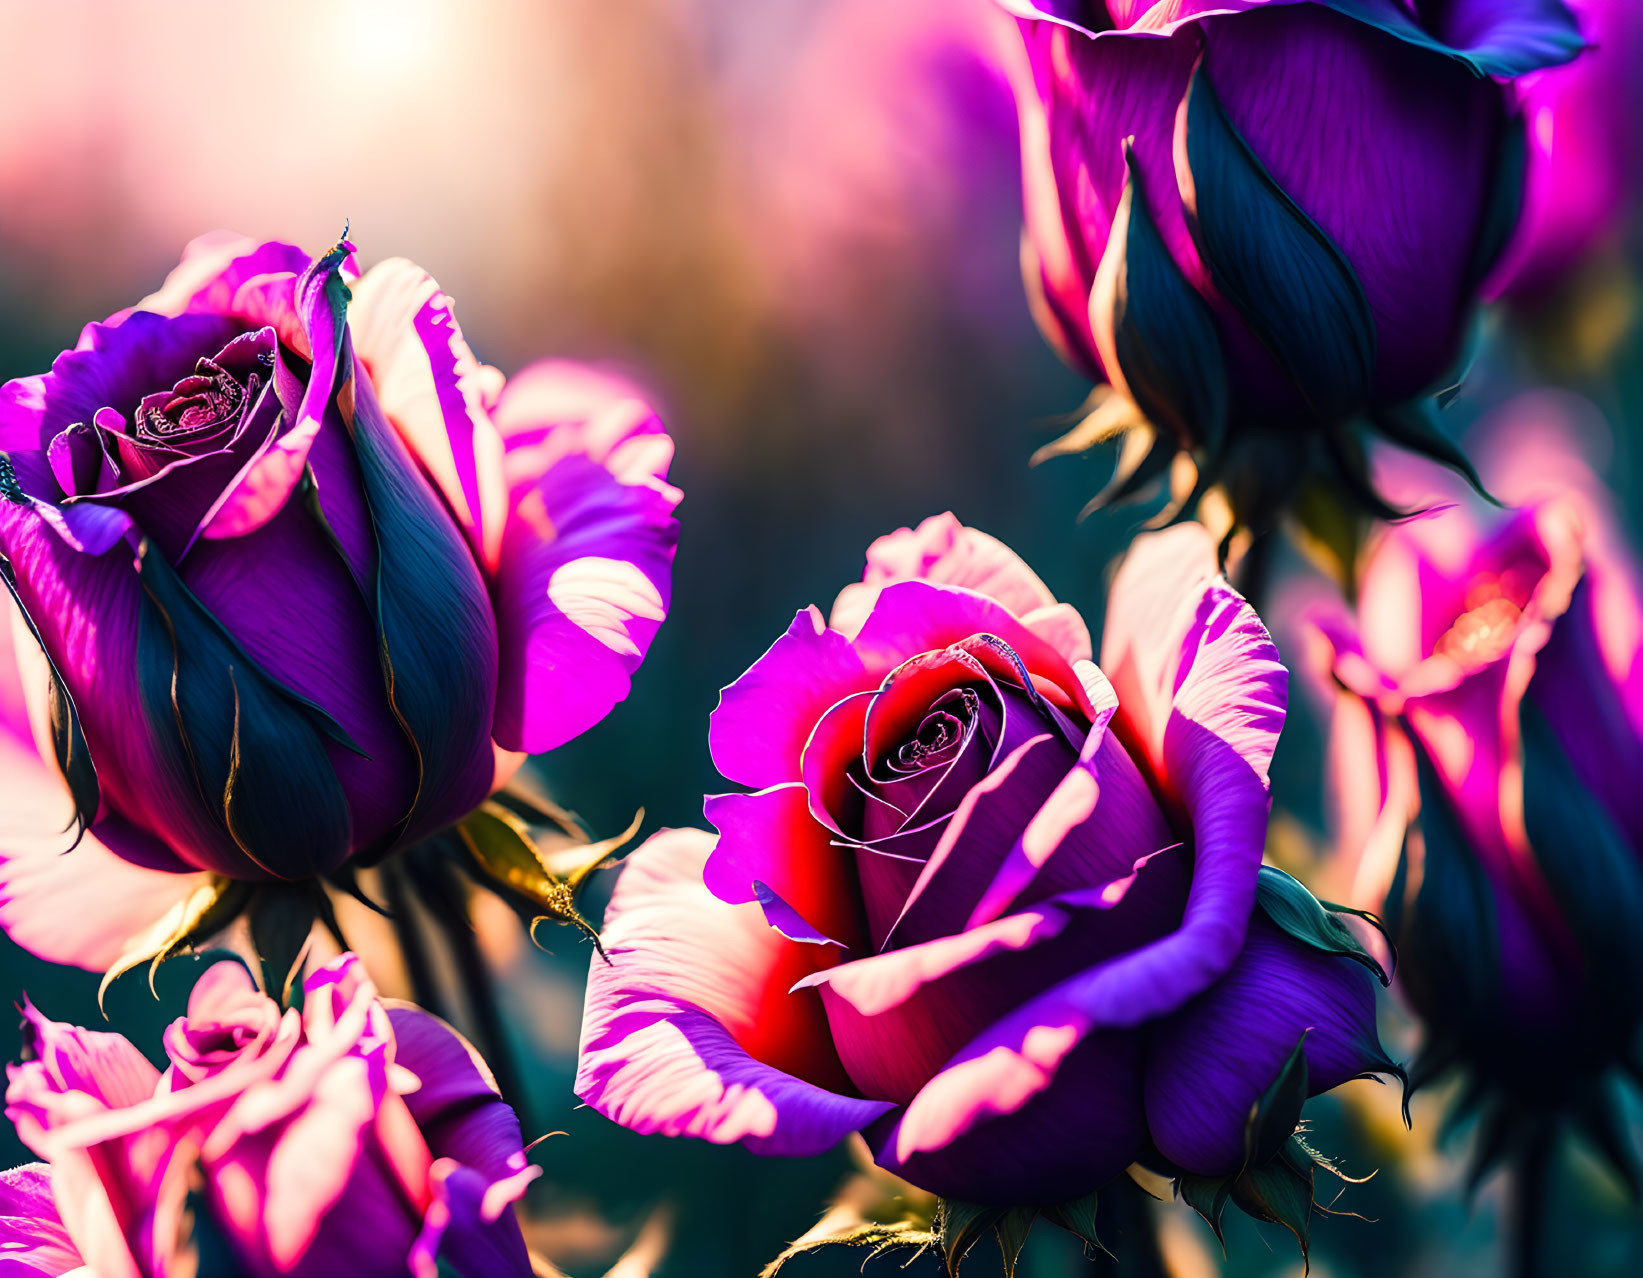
(796,222)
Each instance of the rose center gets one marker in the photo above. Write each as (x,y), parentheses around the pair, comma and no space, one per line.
(210,397)
(1489,622)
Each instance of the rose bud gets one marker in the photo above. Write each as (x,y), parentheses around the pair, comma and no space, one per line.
(349,1138)
(1263,224)
(1486,745)
(989,904)
(297,574)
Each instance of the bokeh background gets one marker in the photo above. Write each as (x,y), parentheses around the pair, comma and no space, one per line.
(796,222)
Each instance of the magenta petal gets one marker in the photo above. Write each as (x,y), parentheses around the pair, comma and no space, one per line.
(435,393)
(689,1030)
(1210,1062)
(584,583)
(770,837)
(913,617)
(758,733)
(34,1243)
(106,1067)
(215,267)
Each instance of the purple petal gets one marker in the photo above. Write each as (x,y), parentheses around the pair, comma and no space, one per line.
(1209,1063)
(471,1226)
(113,366)
(457,1107)
(980,835)
(943,550)
(914,617)
(1302,83)
(215,268)
(965,1136)
(291,603)
(688,1030)
(1100,819)
(898,1017)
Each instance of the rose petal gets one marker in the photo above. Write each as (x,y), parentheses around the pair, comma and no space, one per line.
(1211,1061)
(435,393)
(758,733)
(690,1029)
(943,550)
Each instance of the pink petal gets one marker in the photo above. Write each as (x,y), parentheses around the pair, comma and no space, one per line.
(690,1030)
(945,551)
(82,906)
(435,393)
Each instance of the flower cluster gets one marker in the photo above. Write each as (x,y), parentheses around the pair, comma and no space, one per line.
(295,584)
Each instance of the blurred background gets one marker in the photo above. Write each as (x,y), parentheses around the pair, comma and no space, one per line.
(796,222)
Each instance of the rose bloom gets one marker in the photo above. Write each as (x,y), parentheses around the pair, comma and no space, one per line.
(1486,745)
(350,1138)
(990,905)
(1585,130)
(304,574)
(1257,218)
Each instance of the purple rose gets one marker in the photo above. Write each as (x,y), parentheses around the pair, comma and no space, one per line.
(306,575)
(1261,217)
(1486,744)
(350,1138)
(990,905)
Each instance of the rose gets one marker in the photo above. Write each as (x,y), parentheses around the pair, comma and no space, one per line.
(1583,134)
(351,1137)
(1010,939)
(1486,742)
(1259,219)
(305,571)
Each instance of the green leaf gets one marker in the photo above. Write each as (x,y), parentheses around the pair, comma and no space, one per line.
(1414,425)
(960,1226)
(1589,865)
(1012,1230)
(878,1238)
(504,851)
(1451,939)
(1280,1190)
(1207,1195)
(1077,1217)
(1274,1117)
(223,727)
(187,925)
(1310,921)
(282,925)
